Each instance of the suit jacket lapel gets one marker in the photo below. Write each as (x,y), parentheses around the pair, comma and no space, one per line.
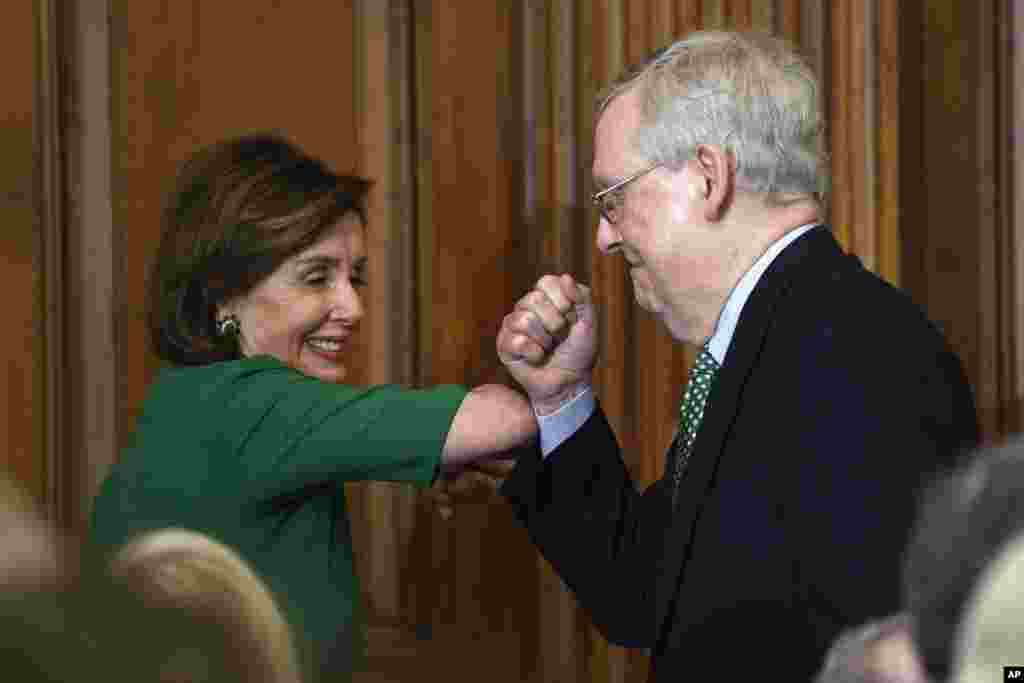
(720,413)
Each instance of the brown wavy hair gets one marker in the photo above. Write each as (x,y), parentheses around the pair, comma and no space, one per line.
(239,209)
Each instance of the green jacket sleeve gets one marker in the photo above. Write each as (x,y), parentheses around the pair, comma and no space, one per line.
(288,431)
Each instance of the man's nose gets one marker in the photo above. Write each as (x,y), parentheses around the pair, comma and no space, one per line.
(607,237)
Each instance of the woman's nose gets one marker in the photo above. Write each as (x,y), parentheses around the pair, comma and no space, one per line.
(348,304)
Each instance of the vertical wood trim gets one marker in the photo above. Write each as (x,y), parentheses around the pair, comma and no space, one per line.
(815,39)
(405,316)
(887,185)
(763,15)
(842,196)
(861,130)
(588,82)
(739,14)
(713,14)
(989,340)
(1007,134)
(91,418)
(636,26)
(688,16)
(424,186)
(50,208)
(788,19)
(566,140)
(661,23)
(1015,103)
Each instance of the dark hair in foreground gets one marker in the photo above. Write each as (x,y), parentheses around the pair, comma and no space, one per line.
(965,519)
(239,209)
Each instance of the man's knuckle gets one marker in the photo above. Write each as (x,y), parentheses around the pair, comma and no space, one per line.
(536,297)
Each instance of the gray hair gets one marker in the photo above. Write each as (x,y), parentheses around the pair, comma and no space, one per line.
(857,655)
(749,93)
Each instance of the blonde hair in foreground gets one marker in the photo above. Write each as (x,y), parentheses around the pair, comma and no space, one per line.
(750,93)
(991,631)
(211,581)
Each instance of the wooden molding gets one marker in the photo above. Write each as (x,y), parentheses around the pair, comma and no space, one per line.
(85,437)
(50,146)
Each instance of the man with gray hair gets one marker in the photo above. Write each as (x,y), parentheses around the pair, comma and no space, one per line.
(819,398)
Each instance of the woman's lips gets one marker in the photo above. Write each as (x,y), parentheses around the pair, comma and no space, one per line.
(327,346)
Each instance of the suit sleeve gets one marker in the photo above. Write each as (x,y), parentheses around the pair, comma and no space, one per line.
(581,509)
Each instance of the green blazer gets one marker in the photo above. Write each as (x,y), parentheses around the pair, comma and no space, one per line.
(254,453)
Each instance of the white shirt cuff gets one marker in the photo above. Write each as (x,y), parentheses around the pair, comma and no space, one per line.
(563,423)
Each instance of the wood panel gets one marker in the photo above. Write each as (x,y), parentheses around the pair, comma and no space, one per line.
(954,237)
(864,123)
(26,213)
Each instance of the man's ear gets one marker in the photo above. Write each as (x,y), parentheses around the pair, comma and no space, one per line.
(718,168)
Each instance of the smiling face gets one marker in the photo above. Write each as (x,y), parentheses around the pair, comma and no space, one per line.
(304,312)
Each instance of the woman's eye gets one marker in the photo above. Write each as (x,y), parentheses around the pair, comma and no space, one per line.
(316,280)
(358,281)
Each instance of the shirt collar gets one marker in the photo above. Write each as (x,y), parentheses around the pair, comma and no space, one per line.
(718,343)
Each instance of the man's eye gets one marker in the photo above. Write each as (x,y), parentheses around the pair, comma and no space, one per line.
(611,203)
(358,281)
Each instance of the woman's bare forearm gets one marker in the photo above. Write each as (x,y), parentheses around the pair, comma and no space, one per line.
(491,420)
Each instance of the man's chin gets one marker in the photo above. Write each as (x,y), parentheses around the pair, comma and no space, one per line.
(645,301)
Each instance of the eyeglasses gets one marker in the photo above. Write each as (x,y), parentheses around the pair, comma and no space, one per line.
(607,201)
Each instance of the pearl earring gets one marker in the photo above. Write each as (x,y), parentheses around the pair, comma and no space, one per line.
(229,326)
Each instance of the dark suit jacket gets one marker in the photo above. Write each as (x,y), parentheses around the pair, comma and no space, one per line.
(837,400)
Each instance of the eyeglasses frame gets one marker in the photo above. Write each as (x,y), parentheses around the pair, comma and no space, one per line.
(598,196)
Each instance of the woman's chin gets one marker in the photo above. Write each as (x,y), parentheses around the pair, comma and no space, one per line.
(326,367)
(333,373)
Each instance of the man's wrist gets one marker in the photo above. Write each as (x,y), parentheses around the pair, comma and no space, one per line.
(552,404)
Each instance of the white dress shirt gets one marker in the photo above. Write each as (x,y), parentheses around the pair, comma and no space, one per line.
(563,423)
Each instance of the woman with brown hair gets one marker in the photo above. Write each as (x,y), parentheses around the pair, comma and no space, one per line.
(250,431)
